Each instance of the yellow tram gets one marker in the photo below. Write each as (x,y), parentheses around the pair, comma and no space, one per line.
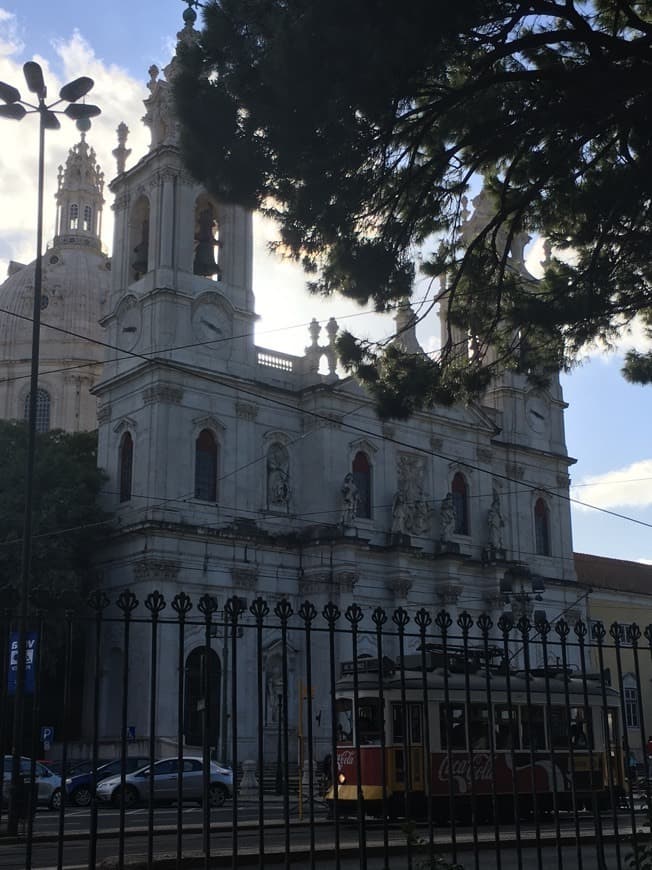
(473,743)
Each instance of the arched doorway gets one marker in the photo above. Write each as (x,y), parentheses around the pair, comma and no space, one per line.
(203,677)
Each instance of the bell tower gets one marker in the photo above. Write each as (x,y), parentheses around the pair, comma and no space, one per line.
(79,198)
(180,314)
(182,260)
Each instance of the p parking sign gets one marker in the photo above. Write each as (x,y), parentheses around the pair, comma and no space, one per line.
(47,736)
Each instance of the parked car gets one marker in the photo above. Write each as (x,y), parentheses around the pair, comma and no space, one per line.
(79,785)
(165,775)
(48,783)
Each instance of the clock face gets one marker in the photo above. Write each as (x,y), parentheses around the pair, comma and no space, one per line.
(129,324)
(536,414)
(212,327)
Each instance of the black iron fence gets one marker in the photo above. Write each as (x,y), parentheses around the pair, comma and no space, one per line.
(358,737)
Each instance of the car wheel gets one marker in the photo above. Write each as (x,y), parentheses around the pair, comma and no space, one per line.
(55,800)
(217,794)
(129,797)
(82,796)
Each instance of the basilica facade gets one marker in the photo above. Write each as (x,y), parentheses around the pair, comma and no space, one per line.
(76,280)
(238,470)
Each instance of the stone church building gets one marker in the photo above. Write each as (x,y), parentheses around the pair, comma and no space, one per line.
(235,469)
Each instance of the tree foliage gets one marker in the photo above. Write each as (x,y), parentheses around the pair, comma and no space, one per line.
(361,126)
(68,523)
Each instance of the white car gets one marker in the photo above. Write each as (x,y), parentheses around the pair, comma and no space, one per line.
(48,783)
(165,775)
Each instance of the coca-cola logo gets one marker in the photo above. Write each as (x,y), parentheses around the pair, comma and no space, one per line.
(345,758)
(459,768)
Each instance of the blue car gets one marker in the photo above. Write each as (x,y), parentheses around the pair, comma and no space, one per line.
(79,786)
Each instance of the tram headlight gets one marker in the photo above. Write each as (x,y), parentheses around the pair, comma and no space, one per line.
(341,779)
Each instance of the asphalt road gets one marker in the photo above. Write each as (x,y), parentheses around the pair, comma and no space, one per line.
(291,846)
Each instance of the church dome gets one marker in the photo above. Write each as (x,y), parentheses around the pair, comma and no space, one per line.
(75,286)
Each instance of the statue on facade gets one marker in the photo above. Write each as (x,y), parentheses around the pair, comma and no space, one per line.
(273,690)
(410,509)
(495,524)
(350,500)
(278,477)
(399,514)
(447,519)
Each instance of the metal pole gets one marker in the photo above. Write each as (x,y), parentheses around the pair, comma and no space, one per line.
(224,715)
(19,698)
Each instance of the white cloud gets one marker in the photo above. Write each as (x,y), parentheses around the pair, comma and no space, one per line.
(120,98)
(280,285)
(630,486)
(10,41)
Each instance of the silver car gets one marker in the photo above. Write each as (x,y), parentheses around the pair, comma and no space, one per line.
(48,783)
(165,777)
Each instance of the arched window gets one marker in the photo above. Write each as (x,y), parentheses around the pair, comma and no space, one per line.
(207,242)
(460,504)
(362,478)
(139,238)
(203,675)
(73,223)
(125,466)
(542,528)
(42,410)
(206,466)
(88,217)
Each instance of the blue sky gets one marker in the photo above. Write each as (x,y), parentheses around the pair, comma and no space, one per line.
(608,423)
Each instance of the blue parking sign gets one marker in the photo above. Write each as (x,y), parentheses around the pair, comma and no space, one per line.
(47,734)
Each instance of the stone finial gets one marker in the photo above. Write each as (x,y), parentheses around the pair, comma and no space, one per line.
(331,330)
(314,329)
(406,323)
(121,152)
(153,75)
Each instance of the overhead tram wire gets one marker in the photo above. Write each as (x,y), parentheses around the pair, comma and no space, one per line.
(215,525)
(171,349)
(213,378)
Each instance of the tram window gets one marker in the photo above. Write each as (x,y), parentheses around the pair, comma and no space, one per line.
(559,731)
(533,732)
(414,723)
(505,728)
(452,720)
(479,726)
(397,722)
(580,729)
(612,727)
(369,721)
(344,720)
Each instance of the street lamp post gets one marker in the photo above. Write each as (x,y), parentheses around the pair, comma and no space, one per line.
(16,108)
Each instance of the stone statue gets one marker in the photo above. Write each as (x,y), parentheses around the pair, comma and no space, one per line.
(410,509)
(496,524)
(274,690)
(278,477)
(446,518)
(350,500)
(399,514)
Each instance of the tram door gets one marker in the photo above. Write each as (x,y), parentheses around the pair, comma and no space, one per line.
(407,731)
